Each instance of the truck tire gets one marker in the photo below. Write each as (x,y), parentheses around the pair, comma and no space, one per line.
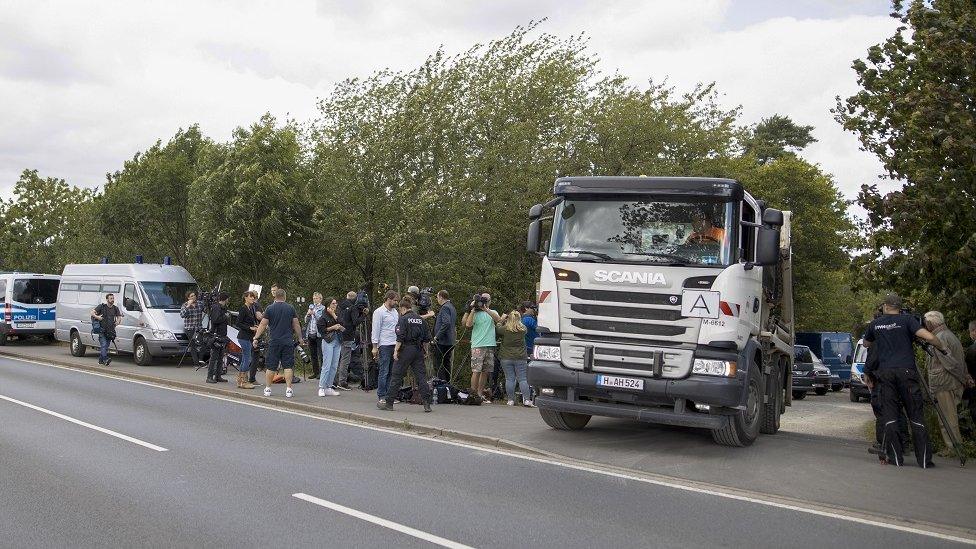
(141,353)
(564,421)
(821,391)
(799,395)
(742,428)
(77,347)
(836,388)
(773,407)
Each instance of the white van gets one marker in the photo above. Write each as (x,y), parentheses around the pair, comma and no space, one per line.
(28,304)
(149,297)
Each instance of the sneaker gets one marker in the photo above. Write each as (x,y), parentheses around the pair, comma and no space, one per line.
(528,404)
(267,391)
(100,363)
(330,392)
(108,361)
(345,387)
(313,376)
(321,392)
(382,405)
(511,403)
(289,393)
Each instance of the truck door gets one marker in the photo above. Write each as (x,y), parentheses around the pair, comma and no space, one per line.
(132,311)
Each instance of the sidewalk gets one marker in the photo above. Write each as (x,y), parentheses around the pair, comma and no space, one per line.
(834,472)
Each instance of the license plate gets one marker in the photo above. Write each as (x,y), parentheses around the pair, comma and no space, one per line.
(818,384)
(620,382)
(25,324)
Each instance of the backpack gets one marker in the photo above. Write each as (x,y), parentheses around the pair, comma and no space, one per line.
(468,397)
(445,394)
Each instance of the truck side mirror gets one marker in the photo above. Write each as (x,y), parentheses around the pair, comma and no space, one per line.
(772,217)
(535,212)
(532,240)
(767,246)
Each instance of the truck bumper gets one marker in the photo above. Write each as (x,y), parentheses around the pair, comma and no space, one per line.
(662,401)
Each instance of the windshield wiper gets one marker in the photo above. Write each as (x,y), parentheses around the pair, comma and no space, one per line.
(601,255)
(672,257)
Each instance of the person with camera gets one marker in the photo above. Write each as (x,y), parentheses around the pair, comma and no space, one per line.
(219,318)
(247,324)
(948,377)
(108,316)
(280,321)
(315,312)
(192,314)
(894,333)
(481,318)
(351,316)
(970,393)
(445,336)
(383,337)
(331,330)
(412,338)
(513,356)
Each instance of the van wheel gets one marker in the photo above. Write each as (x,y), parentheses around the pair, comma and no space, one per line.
(742,427)
(564,421)
(821,391)
(799,395)
(77,347)
(141,352)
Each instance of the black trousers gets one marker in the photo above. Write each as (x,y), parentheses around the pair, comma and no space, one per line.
(412,359)
(900,387)
(191,339)
(315,354)
(216,363)
(879,422)
(442,361)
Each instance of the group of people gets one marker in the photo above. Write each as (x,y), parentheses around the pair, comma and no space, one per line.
(896,389)
(404,338)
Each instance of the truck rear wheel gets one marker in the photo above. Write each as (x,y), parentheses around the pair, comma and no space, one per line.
(773,407)
(564,421)
(742,427)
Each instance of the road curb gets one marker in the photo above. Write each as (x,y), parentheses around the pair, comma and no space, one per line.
(355,417)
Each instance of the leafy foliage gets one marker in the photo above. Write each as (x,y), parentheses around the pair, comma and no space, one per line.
(777,136)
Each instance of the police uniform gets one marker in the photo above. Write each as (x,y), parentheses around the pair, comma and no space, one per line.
(412,334)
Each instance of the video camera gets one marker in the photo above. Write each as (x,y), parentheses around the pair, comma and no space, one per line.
(478,302)
(423,301)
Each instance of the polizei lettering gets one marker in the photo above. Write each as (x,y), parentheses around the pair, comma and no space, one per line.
(629,277)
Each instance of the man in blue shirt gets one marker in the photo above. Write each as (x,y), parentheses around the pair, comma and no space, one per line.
(384,339)
(281,321)
(528,311)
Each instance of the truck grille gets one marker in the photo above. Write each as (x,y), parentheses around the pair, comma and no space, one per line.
(638,316)
(614,358)
(618,327)
(637,298)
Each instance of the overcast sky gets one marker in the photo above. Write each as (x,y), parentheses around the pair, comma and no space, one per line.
(84,85)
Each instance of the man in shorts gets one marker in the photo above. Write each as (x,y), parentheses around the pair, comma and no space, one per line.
(281,321)
(481,318)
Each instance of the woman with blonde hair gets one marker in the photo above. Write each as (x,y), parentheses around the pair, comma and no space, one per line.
(511,353)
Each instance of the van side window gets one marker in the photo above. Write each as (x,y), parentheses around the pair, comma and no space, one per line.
(130,300)
(747,237)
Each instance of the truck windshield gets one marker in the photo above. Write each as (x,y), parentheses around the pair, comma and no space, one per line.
(166,295)
(644,230)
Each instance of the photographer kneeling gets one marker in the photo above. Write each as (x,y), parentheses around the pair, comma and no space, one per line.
(219,318)
(894,333)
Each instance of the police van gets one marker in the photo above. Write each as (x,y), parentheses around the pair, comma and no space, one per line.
(29,302)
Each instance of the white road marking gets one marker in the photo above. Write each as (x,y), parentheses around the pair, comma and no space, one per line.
(419,534)
(85,424)
(810,508)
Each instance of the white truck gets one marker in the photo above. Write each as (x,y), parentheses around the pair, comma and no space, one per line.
(666,300)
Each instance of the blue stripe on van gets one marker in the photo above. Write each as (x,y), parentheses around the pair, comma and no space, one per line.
(32,313)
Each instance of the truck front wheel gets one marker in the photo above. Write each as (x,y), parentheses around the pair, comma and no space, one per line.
(564,421)
(742,427)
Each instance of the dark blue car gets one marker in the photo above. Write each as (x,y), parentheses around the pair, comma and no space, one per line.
(835,349)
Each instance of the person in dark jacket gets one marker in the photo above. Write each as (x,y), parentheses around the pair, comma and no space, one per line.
(970,393)
(351,316)
(445,336)
(247,324)
(219,318)
(408,354)
(872,362)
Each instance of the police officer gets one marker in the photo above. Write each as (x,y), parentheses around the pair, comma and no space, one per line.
(411,348)
(894,333)
(219,319)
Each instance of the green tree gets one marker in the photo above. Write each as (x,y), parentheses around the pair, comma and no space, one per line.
(44,225)
(915,112)
(144,207)
(776,136)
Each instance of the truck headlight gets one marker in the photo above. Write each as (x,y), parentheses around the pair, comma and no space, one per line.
(546,352)
(163,334)
(709,367)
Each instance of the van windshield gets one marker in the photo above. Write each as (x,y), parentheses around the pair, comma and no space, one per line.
(166,295)
(837,346)
(36,291)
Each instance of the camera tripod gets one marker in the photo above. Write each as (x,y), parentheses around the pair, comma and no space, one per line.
(956,443)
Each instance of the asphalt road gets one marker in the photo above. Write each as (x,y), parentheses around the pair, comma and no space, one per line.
(230,473)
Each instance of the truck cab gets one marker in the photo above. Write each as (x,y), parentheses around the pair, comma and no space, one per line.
(662,299)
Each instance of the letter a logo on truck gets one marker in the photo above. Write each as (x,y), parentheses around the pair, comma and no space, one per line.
(629,277)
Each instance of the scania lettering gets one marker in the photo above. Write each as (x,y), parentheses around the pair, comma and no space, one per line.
(663,299)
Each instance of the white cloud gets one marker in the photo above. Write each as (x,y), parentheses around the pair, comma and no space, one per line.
(84,86)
